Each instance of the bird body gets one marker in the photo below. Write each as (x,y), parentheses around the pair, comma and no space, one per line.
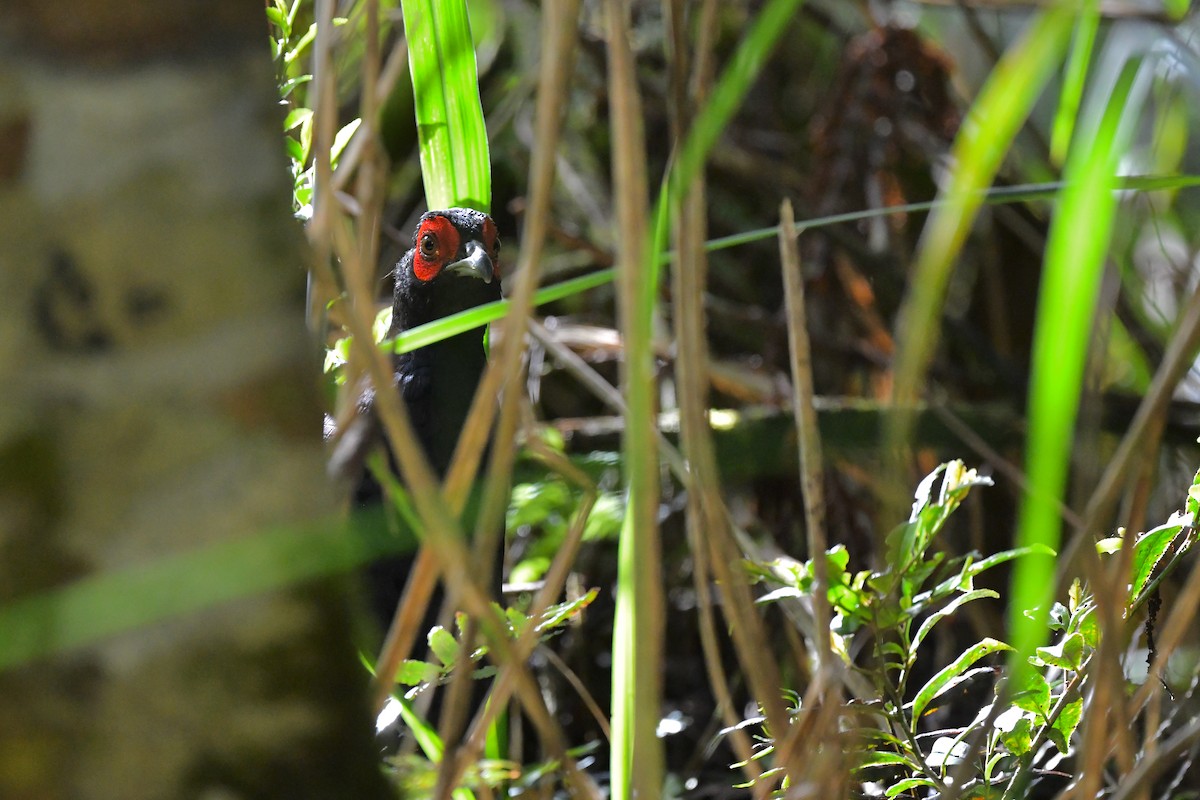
(452,266)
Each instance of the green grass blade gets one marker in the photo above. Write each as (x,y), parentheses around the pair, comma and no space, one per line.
(723,103)
(1073,82)
(481,315)
(455,161)
(446,327)
(985,137)
(102,605)
(1075,255)
(636,754)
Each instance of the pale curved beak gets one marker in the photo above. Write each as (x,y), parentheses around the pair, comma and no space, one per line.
(477,264)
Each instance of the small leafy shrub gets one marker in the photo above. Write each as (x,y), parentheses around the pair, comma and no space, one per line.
(882,619)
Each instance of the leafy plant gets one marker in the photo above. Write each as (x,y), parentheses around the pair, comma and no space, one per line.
(1029,722)
(289,44)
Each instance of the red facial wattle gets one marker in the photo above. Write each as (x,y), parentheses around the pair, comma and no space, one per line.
(436,243)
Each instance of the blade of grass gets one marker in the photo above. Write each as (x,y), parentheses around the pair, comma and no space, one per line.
(1072,90)
(985,137)
(637,754)
(455,161)
(466,320)
(705,512)
(726,98)
(1075,257)
(96,607)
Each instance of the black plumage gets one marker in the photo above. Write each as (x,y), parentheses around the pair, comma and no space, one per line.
(453,265)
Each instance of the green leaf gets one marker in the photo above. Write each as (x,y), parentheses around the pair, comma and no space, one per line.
(1149,551)
(1067,654)
(556,615)
(455,161)
(277,18)
(425,734)
(1084,622)
(1066,723)
(295,117)
(947,587)
(295,150)
(1019,739)
(342,138)
(906,784)
(413,672)
(301,45)
(288,86)
(868,759)
(949,609)
(1192,505)
(1032,693)
(444,645)
(944,678)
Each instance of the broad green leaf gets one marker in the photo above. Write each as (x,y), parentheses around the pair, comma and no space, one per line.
(1067,654)
(279,19)
(1148,553)
(1031,692)
(1019,739)
(1065,724)
(295,117)
(455,161)
(1084,622)
(944,678)
(412,672)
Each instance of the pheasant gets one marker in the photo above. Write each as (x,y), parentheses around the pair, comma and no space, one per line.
(453,265)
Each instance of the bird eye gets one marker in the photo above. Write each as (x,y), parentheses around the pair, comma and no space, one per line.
(429,246)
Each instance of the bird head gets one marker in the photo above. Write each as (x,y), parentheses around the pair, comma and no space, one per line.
(453,265)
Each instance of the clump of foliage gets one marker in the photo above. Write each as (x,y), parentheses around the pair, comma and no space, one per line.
(883,619)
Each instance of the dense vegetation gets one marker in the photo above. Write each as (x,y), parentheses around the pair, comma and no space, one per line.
(835,253)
